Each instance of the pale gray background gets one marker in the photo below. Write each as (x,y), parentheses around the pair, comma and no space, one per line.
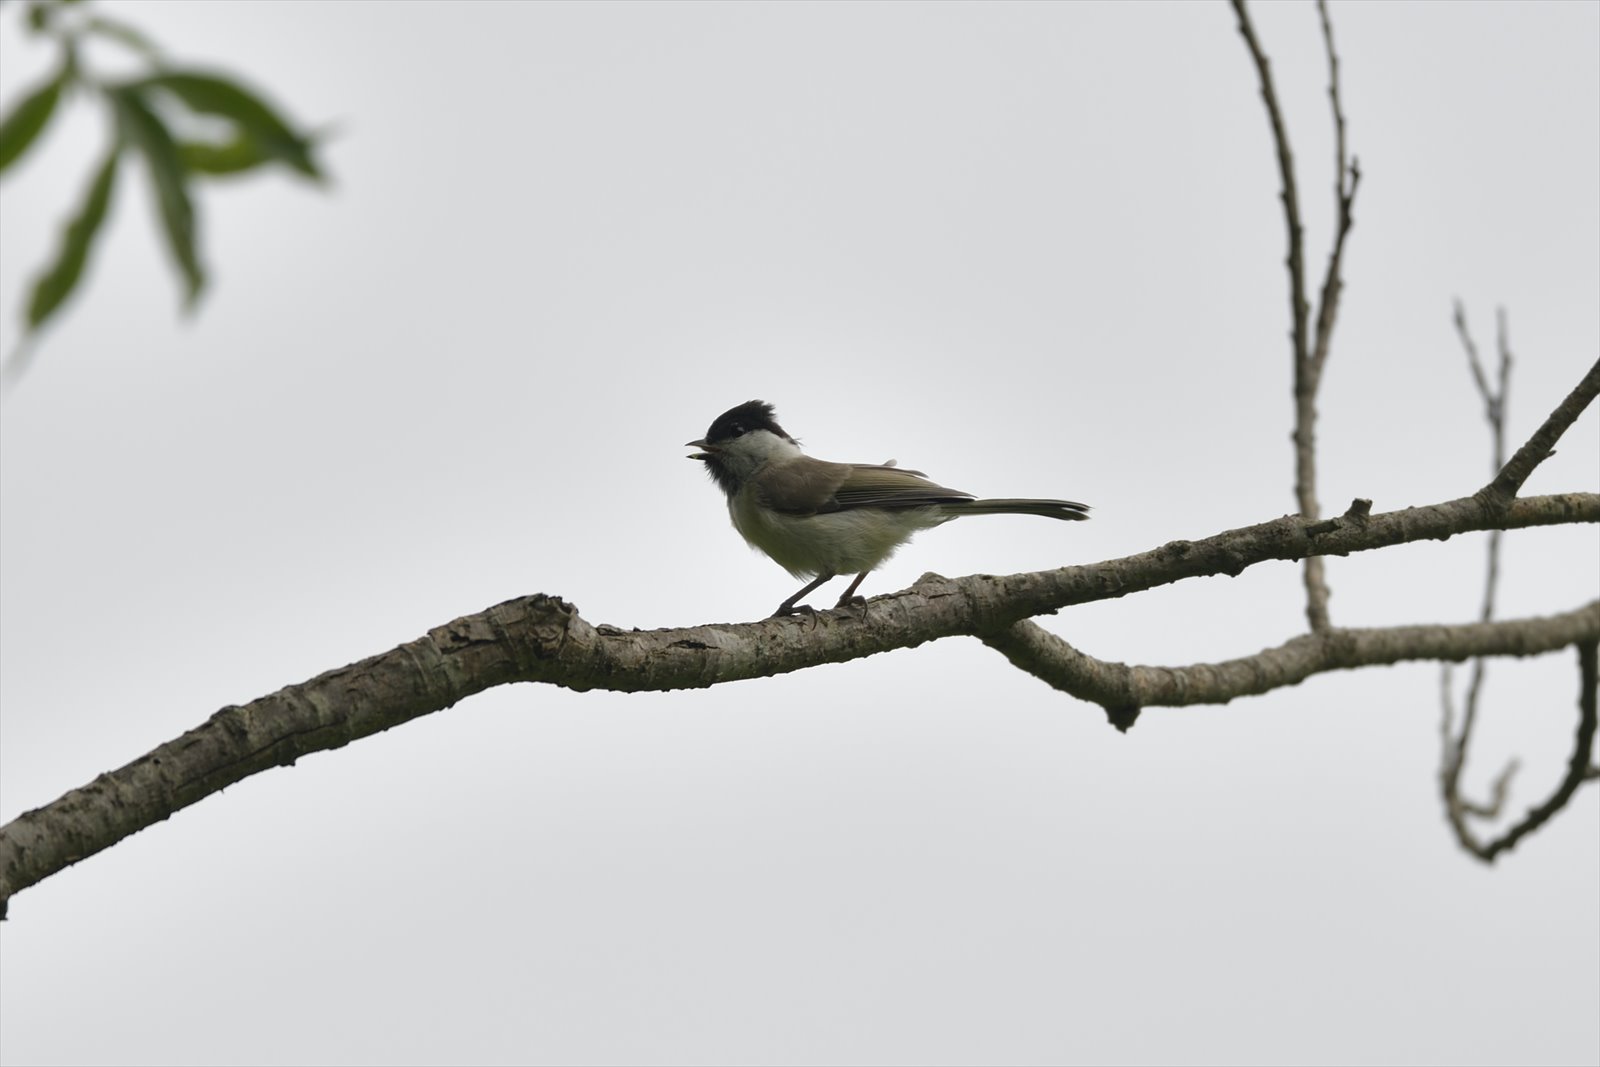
(1030,249)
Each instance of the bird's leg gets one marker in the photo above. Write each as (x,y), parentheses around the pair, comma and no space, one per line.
(850,597)
(788,606)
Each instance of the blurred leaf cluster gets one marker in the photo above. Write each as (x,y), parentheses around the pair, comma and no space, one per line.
(185,124)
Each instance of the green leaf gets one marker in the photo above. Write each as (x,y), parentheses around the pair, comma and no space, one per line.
(211,94)
(237,156)
(123,34)
(41,14)
(141,128)
(51,289)
(19,129)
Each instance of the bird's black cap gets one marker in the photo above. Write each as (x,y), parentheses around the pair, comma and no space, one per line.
(736,422)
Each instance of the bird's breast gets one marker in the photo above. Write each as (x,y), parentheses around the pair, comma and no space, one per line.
(833,542)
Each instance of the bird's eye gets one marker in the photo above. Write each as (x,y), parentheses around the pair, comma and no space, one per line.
(737,429)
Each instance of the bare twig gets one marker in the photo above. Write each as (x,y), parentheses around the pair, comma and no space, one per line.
(1492,399)
(1309,353)
(1579,767)
(1498,792)
(1347,175)
(1452,758)
(1541,446)
(1299,311)
(1454,744)
(1495,406)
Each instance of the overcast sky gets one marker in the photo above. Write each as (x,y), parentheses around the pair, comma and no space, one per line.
(1031,249)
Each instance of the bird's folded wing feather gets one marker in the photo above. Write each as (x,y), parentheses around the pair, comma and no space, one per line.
(811,486)
(869,486)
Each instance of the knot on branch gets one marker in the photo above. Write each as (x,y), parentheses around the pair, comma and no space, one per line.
(1359,511)
(1495,499)
(1358,515)
(539,624)
(533,629)
(1122,716)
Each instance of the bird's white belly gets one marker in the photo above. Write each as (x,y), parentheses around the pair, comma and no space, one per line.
(836,542)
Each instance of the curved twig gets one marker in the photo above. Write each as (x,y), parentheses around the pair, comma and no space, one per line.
(1579,770)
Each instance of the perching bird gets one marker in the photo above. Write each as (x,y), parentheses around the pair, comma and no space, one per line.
(819,520)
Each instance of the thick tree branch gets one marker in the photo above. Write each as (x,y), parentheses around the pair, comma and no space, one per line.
(543,639)
(1118,686)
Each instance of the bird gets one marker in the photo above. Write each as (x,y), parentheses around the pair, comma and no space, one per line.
(819,520)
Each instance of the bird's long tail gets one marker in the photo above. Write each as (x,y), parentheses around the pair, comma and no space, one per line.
(1050,509)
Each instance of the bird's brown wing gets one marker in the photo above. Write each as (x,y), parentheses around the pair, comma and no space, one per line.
(807,486)
(875,486)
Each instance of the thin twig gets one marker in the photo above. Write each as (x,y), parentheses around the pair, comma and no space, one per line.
(1503,341)
(1579,765)
(1298,308)
(1541,446)
(1498,792)
(1346,176)
(1309,354)
(1455,745)
(1475,364)
(1453,755)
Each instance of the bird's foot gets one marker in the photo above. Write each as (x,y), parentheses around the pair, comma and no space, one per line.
(850,603)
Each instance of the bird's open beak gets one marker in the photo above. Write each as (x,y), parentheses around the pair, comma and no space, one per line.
(698,455)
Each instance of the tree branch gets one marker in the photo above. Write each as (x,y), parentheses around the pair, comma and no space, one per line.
(1118,686)
(1308,355)
(1503,489)
(1299,312)
(1579,769)
(1346,176)
(543,639)
(1453,750)
(1541,446)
